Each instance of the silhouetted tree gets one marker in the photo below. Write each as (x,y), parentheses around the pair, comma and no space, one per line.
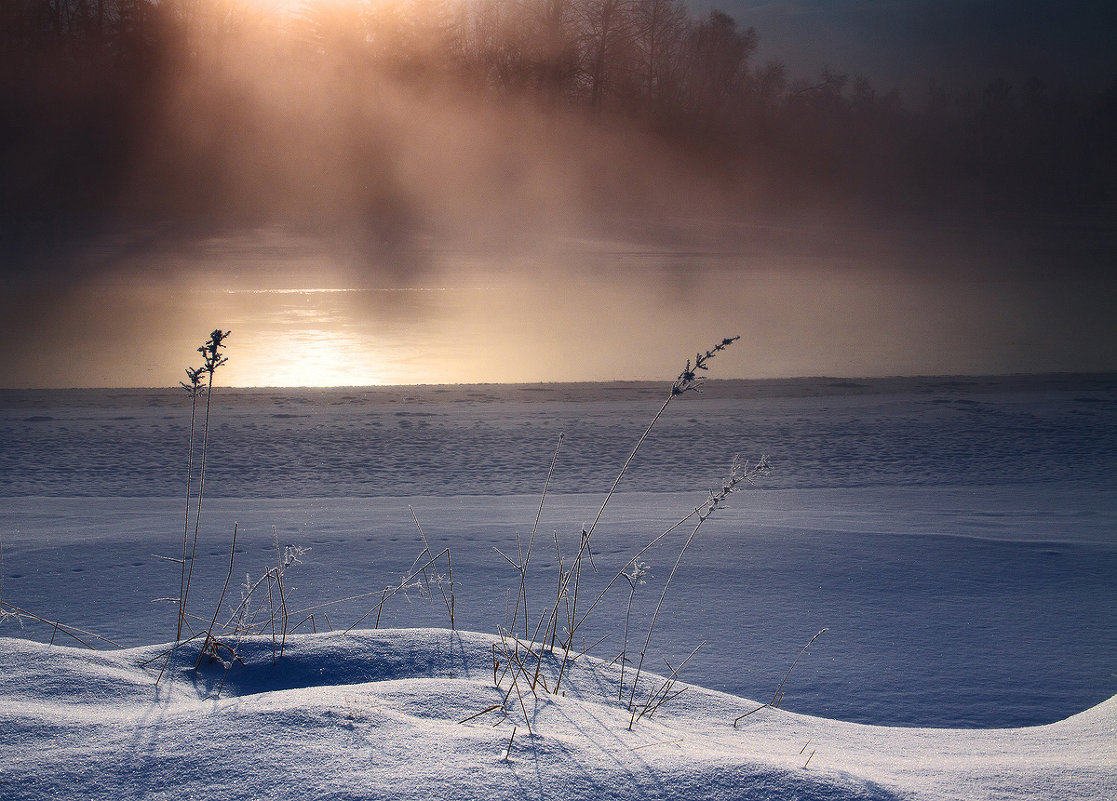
(605,32)
(659,35)
(718,56)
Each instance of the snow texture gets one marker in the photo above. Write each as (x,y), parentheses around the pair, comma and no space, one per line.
(379,714)
(956,537)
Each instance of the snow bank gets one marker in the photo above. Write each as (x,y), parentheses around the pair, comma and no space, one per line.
(377,714)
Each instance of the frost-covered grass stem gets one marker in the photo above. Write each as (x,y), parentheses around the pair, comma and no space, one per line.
(635,579)
(194,387)
(737,474)
(211,360)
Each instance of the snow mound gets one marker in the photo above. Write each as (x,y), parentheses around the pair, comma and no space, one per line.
(399,714)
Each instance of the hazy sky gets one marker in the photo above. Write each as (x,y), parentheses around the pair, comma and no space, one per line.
(480,253)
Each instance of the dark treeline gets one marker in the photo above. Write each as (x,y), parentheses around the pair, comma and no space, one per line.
(131,112)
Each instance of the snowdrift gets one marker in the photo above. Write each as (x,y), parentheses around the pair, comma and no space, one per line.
(379,715)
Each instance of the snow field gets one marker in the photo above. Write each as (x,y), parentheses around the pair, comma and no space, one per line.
(955,537)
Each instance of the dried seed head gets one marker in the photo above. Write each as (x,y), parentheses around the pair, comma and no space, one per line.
(688,380)
(193,383)
(211,350)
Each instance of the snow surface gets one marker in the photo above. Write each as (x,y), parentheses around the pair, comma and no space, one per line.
(946,606)
(379,714)
(956,537)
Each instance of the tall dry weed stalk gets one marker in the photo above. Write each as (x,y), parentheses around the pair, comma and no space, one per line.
(637,577)
(738,473)
(524,559)
(193,385)
(777,696)
(212,359)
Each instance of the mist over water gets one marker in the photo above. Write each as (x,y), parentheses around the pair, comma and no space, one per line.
(835,303)
(500,201)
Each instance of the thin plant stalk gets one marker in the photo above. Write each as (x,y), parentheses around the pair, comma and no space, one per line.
(59,627)
(449,602)
(576,567)
(193,388)
(575,571)
(777,696)
(387,593)
(281,565)
(639,570)
(239,619)
(663,693)
(210,645)
(271,615)
(688,381)
(201,489)
(621,573)
(737,474)
(211,353)
(655,614)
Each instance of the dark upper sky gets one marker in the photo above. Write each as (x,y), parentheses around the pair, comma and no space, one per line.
(960,43)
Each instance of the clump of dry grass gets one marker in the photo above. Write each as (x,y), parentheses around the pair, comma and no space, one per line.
(689,380)
(522,663)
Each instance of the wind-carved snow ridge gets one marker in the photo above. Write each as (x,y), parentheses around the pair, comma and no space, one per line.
(400,714)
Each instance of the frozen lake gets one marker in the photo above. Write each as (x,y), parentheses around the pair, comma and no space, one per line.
(957,536)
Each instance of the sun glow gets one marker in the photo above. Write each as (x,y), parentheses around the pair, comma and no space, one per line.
(318,338)
(311,357)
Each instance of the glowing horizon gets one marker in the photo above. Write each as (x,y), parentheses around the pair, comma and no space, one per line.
(609,319)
